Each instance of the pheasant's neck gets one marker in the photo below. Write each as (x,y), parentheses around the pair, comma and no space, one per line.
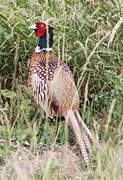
(45,42)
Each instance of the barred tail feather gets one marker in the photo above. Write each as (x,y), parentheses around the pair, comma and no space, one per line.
(86,130)
(81,136)
(86,141)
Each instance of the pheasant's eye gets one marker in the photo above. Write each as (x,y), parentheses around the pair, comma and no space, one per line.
(42,25)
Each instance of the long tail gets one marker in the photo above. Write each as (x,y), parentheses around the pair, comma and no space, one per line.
(86,130)
(83,135)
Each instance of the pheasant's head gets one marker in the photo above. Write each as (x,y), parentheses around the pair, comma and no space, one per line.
(41,30)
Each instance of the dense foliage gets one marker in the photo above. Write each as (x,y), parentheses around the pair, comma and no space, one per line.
(90,39)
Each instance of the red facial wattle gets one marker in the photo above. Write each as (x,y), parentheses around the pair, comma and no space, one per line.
(41,29)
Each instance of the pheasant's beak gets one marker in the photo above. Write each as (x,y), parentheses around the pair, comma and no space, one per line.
(33,27)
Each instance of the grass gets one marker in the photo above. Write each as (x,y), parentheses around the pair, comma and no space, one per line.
(89,38)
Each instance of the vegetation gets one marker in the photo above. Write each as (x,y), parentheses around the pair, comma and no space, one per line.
(90,39)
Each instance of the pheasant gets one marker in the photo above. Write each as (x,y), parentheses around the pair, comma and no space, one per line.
(51,83)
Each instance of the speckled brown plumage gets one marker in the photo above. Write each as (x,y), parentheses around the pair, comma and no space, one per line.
(52,86)
(46,70)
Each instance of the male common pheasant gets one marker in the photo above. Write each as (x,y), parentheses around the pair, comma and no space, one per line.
(52,86)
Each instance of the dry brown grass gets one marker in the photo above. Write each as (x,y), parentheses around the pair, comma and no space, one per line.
(24,164)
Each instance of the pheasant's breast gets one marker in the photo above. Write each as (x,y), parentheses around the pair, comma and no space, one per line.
(51,84)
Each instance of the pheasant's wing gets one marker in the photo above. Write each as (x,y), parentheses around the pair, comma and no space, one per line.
(62,89)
